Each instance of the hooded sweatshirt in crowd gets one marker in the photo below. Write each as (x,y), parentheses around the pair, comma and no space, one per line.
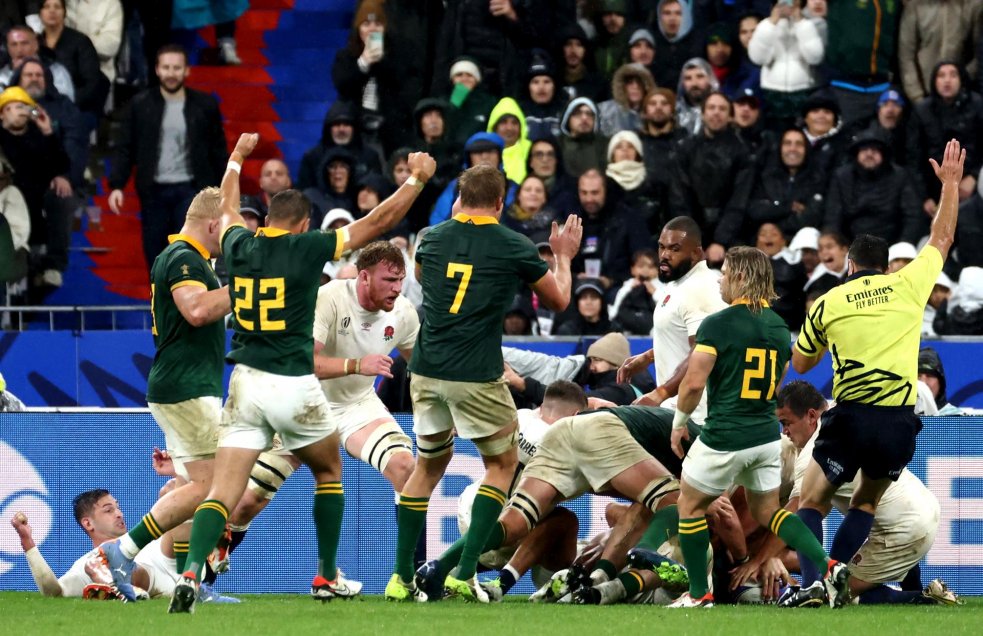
(584,152)
(514,156)
(689,116)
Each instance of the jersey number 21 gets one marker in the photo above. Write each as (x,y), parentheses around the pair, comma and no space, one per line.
(760,362)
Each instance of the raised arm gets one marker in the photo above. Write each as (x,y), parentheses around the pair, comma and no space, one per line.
(950,173)
(387,214)
(553,289)
(229,201)
(44,577)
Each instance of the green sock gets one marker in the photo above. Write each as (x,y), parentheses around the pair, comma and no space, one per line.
(632,581)
(488,504)
(144,532)
(664,526)
(799,537)
(181,555)
(411,519)
(209,524)
(329,509)
(608,568)
(694,537)
(452,556)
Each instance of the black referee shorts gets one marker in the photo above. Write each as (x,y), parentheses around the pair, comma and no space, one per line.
(879,440)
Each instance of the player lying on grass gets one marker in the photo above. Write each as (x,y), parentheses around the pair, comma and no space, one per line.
(611,450)
(98,513)
(903,531)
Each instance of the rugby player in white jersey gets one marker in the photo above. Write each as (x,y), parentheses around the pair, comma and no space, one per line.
(691,294)
(905,523)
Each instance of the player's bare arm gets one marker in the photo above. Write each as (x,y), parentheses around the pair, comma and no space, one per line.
(202,307)
(690,391)
(553,288)
(328,367)
(229,201)
(950,173)
(670,387)
(634,364)
(387,214)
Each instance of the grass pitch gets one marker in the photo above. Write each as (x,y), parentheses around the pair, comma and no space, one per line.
(29,613)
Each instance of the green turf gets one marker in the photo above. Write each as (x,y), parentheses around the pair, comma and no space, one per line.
(26,613)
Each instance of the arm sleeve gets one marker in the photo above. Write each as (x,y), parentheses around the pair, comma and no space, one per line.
(761,47)
(324,312)
(810,44)
(695,307)
(122,164)
(921,273)
(348,78)
(89,78)
(410,327)
(812,336)
(706,340)
(44,577)
(528,264)
(184,270)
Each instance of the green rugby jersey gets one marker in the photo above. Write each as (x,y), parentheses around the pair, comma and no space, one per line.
(651,427)
(273,279)
(752,350)
(471,270)
(188,361)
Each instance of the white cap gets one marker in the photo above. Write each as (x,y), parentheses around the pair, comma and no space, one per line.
(945,281)
(902,250)
(805,239)
(336,214)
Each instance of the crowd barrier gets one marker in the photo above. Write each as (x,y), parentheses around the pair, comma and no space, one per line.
(48,458)
(110,368)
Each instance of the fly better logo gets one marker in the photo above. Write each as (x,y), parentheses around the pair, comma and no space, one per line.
(21,490)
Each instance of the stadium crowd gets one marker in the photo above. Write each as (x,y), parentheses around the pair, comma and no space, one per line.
(791,128)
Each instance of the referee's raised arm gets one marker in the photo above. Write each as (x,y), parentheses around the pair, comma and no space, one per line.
(950,173)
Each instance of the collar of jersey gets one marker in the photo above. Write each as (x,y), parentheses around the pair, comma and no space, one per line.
(864,272)
(190,241)
(475,220)
(271,232)
(747,301)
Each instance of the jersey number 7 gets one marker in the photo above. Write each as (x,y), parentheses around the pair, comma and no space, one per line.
(757,358)
(453,269)
(269,291)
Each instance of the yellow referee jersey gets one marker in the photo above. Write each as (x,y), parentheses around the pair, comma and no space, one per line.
(871,325)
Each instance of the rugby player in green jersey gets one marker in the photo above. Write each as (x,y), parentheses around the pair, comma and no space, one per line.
(470,267)
(740,357)
(274,277)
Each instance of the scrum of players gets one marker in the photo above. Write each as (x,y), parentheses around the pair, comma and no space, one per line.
(714,462)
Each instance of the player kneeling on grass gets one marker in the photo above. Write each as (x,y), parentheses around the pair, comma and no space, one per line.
(741,355)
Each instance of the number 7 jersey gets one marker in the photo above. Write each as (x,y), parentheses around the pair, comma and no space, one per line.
(472,268)
(273,279)
(752,350)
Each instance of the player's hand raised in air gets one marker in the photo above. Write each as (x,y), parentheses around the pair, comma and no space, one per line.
(376,364)
(951,170)
(246,144)
(421,165)
(566,242)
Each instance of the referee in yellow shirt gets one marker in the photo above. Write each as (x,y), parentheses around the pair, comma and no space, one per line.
(871,325)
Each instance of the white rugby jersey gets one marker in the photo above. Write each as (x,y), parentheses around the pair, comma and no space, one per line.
(906,513)
(679,311)
(162,571)
(348,331)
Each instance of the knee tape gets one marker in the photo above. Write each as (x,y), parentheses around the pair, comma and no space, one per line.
(268,474)
(382,444)
(435,448)
(656,489)
(527,507)
(493,447)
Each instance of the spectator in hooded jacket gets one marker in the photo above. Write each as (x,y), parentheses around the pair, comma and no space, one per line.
(629,86)
(430,117)
(932,373)
(728,60)
(951,110)
(634,303)
(628,181)
(591,318)
(582,145)
(482,148)
(577,76)
(750,126)
(641,49)
(713,178)
(543,102)
(546,162)
(872,195)
(335,186)
(933,31)
(339,130)
(790,190)
(888,123)
(470,101)
(821,124)
(508,122)
(611,41)
(696,82)
(675,41)
(788,49)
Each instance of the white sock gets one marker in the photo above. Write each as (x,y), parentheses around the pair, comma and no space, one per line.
(599,576)
(127,547)
(611,592)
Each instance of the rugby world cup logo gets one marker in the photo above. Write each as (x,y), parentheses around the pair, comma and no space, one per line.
(21,490)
